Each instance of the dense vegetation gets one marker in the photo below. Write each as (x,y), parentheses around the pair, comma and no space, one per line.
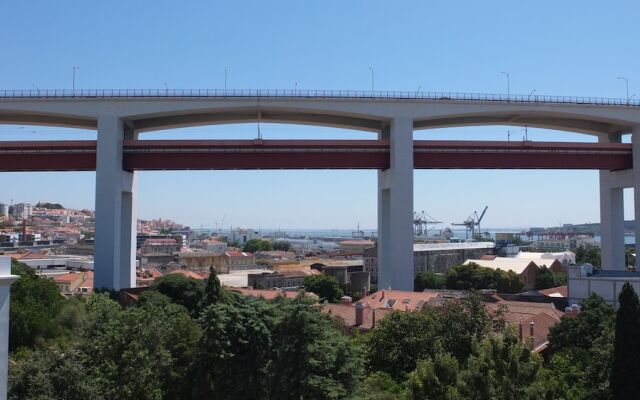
(255,245)
(469,277)
(189,340)
(50,206)
(326,287)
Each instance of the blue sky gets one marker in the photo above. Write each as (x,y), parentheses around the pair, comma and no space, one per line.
(562,48)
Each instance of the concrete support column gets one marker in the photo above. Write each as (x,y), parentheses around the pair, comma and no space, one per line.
(635,140)
(395,209)
(611,218)
(115,240)
(6,279)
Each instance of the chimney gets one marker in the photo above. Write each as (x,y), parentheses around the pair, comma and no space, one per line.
(359,313)
(521,330)
(531,329)
(373,318)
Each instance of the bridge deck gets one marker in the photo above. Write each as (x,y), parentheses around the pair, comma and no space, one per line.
(313,154)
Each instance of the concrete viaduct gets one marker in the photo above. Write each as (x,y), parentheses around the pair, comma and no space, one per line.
(119,115)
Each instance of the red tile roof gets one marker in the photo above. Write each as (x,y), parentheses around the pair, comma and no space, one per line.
(68,278)
(399,299)
(265,293)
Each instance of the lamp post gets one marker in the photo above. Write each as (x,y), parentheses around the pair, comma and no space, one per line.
(36,87)
(166,89)
(508,84)
(371,69)
(418,91)
(73,84)
(532,92)
(626,82)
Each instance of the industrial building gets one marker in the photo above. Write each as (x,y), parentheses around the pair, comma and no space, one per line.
(584,280)
(436,257)
(281,279)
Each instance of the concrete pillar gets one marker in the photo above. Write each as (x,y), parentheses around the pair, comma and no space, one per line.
(611,218)
(611,224)
(6,279)
(635,140)
(395,209)
(115,249)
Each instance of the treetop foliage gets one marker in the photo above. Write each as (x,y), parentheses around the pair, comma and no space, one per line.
(255,245)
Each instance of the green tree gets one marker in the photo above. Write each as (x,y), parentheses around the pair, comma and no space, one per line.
(434,379)
(325,286)
(509,282)
(182,290)
(255,245)
(233,353)
(474,277)
(282,245)
(50,374)
(587,341)
(142,352)
(502,368)
(379,386)
(626,346)
(546,278)
(399,341)
(460,324)
(429,280)
(35,305)
(214,292)
(311,358)
(566,375)
(595,318)
(589,255)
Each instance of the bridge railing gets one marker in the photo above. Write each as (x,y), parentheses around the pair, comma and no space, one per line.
(321,93)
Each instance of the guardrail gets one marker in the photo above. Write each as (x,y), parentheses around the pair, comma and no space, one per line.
(332,94)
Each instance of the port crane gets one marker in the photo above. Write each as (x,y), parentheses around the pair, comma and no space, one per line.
(471,222)
(421,221)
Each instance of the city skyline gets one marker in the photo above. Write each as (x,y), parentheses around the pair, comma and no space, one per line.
(408,55)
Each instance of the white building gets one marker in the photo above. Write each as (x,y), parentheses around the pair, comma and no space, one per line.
(242,236)
(565,257)
(214,246)
(436,257)
(583,280)
(22,210)
(573,242)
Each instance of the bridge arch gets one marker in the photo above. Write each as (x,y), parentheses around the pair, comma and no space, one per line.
(584,121)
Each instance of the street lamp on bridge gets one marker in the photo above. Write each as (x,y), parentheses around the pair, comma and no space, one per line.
(626,82)
(508,84)
(371,69)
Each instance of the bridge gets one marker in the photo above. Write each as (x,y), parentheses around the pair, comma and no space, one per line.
(120,115)
(154,155)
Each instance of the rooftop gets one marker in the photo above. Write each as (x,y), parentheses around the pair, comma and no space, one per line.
(418,247)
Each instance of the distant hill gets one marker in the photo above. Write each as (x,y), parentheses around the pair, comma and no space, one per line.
(50,206)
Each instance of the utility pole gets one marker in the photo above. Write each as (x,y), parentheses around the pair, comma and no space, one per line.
(372,72)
